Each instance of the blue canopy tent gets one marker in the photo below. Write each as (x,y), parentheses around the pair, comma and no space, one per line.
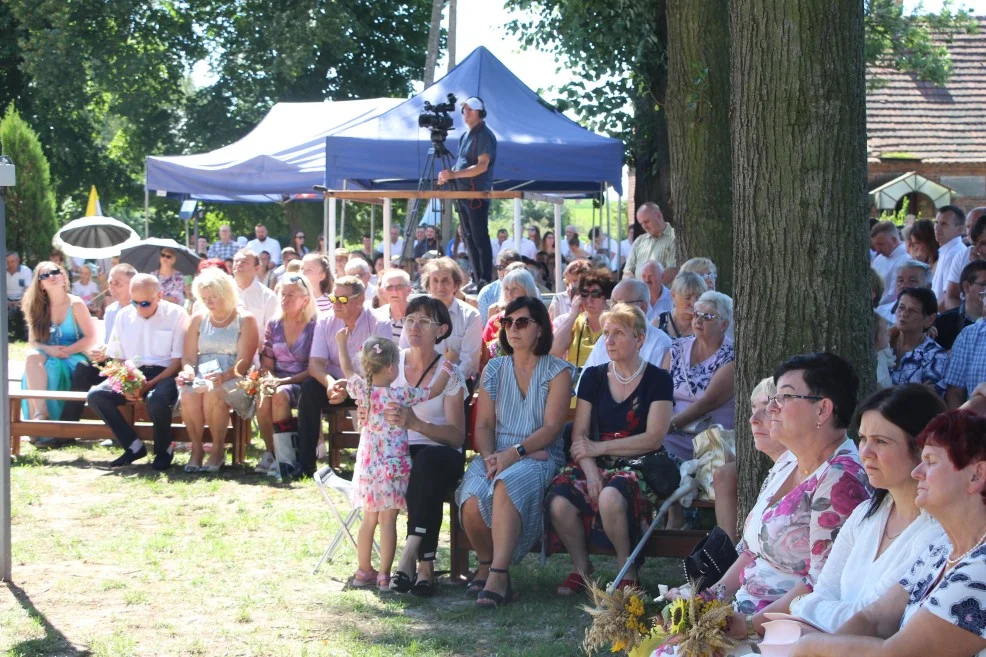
(539,149)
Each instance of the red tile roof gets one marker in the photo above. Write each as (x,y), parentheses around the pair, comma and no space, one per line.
(911,119)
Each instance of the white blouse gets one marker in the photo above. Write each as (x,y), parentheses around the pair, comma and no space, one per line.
(853,577)
(433,410)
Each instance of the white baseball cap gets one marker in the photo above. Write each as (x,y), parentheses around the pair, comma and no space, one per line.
(474,103)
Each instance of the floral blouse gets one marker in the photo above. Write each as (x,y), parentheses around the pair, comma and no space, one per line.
(172,286)
(925,363)
(960,596)
(790,539)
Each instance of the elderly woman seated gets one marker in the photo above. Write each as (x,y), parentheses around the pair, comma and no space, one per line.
(704,268)
(918,358)
(577,332)
(686,288)
(702,368)
(937,608)
(623,410)
(515,284)
(520,414)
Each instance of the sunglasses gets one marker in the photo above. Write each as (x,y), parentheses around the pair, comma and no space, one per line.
(298,278)
(48,274)
(521,323)
(343,300)
(169,256)
(706,317)
(595,294)
(141,304)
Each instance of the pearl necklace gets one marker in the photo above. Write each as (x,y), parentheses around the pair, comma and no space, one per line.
(636,373)
(952,562)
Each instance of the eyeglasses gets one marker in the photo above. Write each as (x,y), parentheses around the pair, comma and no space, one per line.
(595,294)
(48,274)
(300,237)
(169,256)
(521,323)
(141,304)
(782,398)
(341,299)
(706,317)
(422,322)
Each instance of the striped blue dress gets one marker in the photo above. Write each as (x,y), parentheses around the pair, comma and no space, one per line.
(517,417)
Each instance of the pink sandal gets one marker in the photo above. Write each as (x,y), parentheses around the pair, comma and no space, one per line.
(383,582)
(363,578)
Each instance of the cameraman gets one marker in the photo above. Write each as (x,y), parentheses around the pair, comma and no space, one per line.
(474,168)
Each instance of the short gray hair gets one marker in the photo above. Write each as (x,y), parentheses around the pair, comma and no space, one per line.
(699,264)
(688,282)
(520,277)
(390,274)
(506,256)
(917,264)
(357,266)
(723,304)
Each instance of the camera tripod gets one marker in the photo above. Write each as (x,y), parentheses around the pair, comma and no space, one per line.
(439,154)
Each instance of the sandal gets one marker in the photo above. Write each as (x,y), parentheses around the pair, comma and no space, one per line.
(574,583)
(383,582)
(401,582)
(491,599)
(474,586)
(363,578)
(423,588)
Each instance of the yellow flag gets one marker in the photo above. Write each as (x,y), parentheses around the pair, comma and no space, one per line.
(92,208)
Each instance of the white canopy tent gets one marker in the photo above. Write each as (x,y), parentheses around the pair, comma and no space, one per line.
(886,196)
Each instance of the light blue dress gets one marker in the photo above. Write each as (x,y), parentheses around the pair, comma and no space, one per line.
(517,417)
(59,369)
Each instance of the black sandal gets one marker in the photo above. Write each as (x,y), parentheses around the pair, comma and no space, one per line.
(401,582)
(496,600)
(423,588)
(474,586)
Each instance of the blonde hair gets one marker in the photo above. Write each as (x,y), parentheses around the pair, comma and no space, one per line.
(629,316)
(445,264)
(292,267)
(36,304)
(765,387)
(299,280)
(377,355)
(220,283)
(326,284)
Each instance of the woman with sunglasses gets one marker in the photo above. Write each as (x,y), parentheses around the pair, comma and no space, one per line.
(60,331)
(576,334)
(172,281)
(917,358)
(520,415)
(298,244)
(220,336)
(287,343)
(702,368)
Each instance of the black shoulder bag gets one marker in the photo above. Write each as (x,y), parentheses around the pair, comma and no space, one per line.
(710,559)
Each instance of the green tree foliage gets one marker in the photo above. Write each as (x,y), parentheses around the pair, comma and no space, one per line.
(30,203)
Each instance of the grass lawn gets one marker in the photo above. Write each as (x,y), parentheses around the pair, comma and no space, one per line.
(132,562)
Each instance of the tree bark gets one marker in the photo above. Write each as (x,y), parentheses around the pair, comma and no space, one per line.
(652,162)
(698,129)
(434,32)
(799,198)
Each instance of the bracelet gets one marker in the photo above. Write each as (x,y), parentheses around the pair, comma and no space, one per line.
(673,427)
(750,630)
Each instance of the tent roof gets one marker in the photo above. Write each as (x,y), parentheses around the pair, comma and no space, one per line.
(283,155)
(886,195)
(538,147)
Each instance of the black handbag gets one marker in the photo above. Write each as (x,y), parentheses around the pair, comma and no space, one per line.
(710,559)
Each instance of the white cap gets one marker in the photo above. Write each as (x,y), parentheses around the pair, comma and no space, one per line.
(474,103)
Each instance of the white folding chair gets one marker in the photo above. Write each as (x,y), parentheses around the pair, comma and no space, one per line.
(326,479)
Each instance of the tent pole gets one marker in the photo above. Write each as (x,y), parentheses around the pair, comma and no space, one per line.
(609,234)
(386,236)
(619,234)
(517,230)
(5,558)
(559,283)
(147,215)
(373,215)
(330,238)
(342,226)
(325,225)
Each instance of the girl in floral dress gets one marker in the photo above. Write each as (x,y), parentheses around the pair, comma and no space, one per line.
(383,466)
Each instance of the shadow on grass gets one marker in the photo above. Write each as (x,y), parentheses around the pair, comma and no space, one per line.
(52,643)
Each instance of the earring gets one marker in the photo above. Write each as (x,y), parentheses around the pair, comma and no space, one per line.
(818,425)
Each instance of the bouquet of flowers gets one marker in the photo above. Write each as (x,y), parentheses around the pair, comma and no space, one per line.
(256,386)
(696,626)
(124,376)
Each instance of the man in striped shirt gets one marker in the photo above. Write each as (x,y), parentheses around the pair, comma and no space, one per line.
(395,287)
(657,242)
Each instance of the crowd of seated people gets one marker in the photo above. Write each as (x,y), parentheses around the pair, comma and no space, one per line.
(564,389)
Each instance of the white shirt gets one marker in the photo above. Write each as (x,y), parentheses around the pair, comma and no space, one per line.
(656,344)
(607,248)
(433,410)
(270,245)
(86,291)
(887,267)
(662,305)
(495,247)
(158,340)
(527,248)
(395,247)
(958,265)
(466,337)
(851,577)
(260,301)
(564,249)
(109,315)
(947,255)
(18,282)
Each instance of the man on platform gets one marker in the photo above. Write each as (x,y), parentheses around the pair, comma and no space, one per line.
(656,243)
(474,171)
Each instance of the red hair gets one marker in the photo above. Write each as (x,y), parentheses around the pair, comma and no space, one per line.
(213,262)
(960,433)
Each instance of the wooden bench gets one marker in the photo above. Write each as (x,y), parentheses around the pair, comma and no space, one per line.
(133,413)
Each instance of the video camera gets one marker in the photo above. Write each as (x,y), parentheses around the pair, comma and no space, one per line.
(437,119)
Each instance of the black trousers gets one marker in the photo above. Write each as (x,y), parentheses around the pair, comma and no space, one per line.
(84,377)
(158,401)
(474,217)
(311,402)
(435,472)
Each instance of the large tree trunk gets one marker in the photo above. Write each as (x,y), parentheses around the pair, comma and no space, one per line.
(698,129)
(652,163)
(435,31)
(799,169)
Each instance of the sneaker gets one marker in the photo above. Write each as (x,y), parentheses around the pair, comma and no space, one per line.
(109,442)
(53,443)
(266,463)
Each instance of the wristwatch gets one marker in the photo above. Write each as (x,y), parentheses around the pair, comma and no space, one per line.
(521,452)
(750,630)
